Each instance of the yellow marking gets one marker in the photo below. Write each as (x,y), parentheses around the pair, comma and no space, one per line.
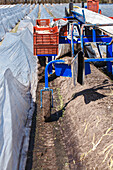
(86,128)
(76,7)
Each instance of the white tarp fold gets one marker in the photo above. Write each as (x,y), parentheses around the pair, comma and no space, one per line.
(95,18)
(9,17)
(18,83)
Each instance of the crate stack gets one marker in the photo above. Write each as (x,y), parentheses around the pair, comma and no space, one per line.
(46,39)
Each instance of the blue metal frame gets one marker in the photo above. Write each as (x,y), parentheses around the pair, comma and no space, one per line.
(79,17)
(100,40)
(47,55)
(41,95)
(98,59)
(46,88)
(62,69)
(104,41)
(83,40)
(94,35)
(72,35)
(46,71)
(50,67)
(49,59)
(109,54)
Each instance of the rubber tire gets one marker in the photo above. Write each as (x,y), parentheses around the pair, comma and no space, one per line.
(46,103)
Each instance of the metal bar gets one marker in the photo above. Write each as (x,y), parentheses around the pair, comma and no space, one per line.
(89,36)
(92,25)
(100,41)
(46,71)
(94,35)
(72,43)
(76,13)
(97,25)
(50,67)
(79,17)
(47,55)
(99,50)
(109,54)
(71,17)
(72,35)
(98,59)
(83,15)
(82,42)
(41,95)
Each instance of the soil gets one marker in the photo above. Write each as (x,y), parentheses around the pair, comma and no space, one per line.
(80,133)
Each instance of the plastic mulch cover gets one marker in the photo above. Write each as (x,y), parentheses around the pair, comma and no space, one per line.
(18,80)
(2,31)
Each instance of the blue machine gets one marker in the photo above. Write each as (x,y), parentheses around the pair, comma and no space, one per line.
(62,68)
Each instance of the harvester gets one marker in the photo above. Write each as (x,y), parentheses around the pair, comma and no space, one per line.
(80,29)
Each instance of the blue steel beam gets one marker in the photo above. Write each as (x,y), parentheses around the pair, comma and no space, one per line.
(50,67)
(94,35)
(109,54)
(98,59)
(72,35)
(46,70)
(79,17)
(46,88)
(103,40)
(47,55)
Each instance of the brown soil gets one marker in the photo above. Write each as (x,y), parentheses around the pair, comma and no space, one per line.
(80,135)
(89,115)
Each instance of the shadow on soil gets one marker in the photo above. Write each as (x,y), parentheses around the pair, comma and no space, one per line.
(89,96)
(32,141)
(50,78)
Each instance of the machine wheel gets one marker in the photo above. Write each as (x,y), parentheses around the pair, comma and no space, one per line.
(46,103)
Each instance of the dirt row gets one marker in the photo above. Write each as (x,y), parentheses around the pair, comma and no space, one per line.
(80,135)
(89,113)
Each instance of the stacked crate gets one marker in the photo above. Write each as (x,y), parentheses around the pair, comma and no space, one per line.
(46,39)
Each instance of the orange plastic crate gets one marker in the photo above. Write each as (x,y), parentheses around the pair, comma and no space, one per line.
(63,31)
(43,22)
(46,43)
(93,5)
(56,19)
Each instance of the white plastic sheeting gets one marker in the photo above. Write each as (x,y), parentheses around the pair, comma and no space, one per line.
(33,15)
(29,20)
(45,14)
(95,18)
(58,10)
(2,31)
(18,82)
(10,16)
(63,48)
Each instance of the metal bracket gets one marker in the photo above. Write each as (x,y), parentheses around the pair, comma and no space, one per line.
(45,89)
(46,79)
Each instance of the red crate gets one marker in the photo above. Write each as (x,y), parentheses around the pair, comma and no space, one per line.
(93,5)
(56,19)
(46,43)
(63,30)
(43,22)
